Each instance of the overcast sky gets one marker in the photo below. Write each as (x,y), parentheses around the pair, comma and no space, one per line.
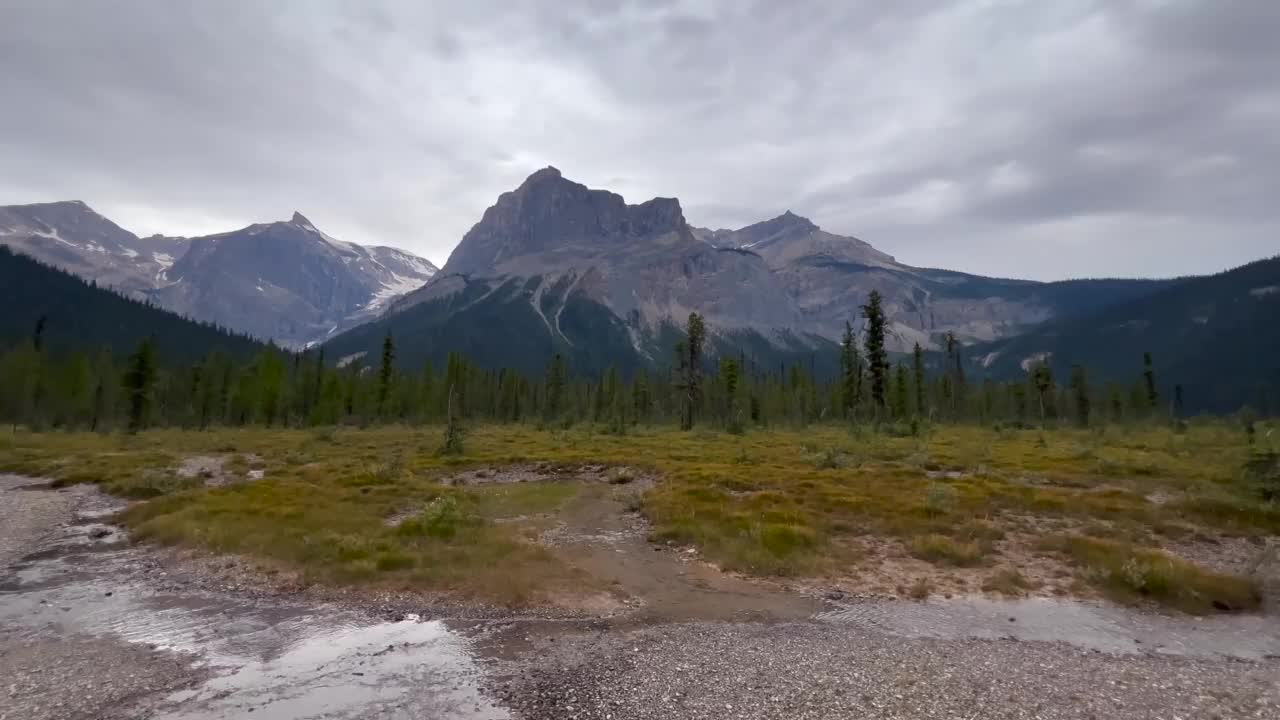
(1014,138)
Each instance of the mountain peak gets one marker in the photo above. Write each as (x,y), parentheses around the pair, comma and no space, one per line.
(547,173)
(789,219)
(300,219)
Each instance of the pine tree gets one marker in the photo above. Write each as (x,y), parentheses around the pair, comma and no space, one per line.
(1080,389)
(877,356)
(640,397)
(453,432)
(955,372)
(917,370)
(691,366)
(901,401)
(139,382)
(555,382)
(850,372)
(1149,381)
(385,371)
(1042,381)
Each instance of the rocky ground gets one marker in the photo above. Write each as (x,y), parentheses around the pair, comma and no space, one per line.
(808,670)
(92,628)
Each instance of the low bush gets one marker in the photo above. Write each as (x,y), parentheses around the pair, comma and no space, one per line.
(942,550)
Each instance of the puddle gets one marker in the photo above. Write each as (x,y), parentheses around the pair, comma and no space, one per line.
(1093,627)
(407,669)
(276,660)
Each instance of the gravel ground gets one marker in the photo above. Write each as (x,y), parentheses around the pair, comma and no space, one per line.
(27,517)
(811,670)
(66,678)
(46,674)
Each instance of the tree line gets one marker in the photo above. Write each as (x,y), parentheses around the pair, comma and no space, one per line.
(277,388)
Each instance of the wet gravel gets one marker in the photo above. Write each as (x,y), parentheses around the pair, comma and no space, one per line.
(64,678)
(809,670)
(46,673)
(28,516)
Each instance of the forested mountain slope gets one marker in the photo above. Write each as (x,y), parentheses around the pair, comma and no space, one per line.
(79,316)
(1217,336)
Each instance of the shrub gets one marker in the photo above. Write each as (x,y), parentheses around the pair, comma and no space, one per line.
(1007,581)
(941,499)
(920,589)
(1130,574)
(942,550)
(829,459)
(441,519)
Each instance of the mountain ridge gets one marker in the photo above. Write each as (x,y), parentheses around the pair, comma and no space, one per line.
(640,269)
(320,286)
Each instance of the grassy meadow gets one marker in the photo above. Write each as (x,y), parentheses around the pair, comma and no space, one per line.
(1124,511)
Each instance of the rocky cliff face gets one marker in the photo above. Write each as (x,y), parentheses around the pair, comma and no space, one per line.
(641,262)
(285,281)
(785,280)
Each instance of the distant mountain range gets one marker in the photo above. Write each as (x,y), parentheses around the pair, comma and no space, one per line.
(555,266)
(1217,336)
(284,281)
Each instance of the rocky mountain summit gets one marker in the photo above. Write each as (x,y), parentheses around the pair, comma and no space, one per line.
(284,281)
(785,281)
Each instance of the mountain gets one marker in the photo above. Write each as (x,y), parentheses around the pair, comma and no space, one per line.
(1217,336)
(72,236)
(285,281)
(81,316)
(554,266)
(829,276)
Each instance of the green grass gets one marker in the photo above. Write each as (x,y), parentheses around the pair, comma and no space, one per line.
(942,550)
(1129,574)
(781,502)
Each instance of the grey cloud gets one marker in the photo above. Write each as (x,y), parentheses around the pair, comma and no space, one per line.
(1025,139)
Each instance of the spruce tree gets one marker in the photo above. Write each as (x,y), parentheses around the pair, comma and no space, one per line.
(917,370)
(850,372)
(1149,381)
(453,433)
(877,356)
(1042,381)
(385,370)
(139,381)
(901,401)
(1080,389)
(691,365)
(555,382)
(640,397)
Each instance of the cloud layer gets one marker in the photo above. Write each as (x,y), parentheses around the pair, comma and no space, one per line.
(1012,138)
